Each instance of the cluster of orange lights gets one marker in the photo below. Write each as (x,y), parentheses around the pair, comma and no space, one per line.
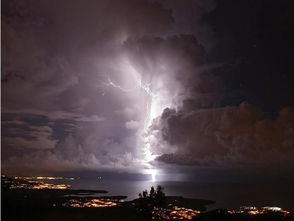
(43,178)
(39,185)
(176,213)
(252,210)
(90,203)
(51,186)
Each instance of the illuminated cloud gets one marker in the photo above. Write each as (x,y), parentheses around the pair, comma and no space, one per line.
(58,65)
(132,125)
(228,136)
(110,85)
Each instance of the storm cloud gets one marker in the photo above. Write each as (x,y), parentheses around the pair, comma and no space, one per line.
(58,103)
(233,137)
(96,84)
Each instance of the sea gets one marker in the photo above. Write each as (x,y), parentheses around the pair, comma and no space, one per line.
(225,195)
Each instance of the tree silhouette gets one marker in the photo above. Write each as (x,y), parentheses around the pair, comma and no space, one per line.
(149,201)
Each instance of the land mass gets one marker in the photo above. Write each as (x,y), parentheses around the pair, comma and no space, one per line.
(29,204)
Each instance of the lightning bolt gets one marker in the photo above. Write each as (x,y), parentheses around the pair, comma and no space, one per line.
(140,84)
(112,84)
(151,114)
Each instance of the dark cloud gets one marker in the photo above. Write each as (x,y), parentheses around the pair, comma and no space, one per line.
(189,15)
(253,41)
(235,136)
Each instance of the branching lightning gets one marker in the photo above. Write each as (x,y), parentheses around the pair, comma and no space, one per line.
(112,84)
(153,111)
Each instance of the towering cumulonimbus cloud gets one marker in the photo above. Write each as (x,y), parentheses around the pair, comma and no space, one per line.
(170,69)
(70,97)
(83,82)
(107,85)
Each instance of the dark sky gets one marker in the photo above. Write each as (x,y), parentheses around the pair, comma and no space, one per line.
(254,40)
(142,86)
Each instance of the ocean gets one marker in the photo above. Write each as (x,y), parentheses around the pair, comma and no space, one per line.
(225,195)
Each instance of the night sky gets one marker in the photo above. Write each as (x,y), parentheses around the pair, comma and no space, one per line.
(148,87)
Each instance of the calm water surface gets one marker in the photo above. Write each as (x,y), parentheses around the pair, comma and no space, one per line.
(226,195)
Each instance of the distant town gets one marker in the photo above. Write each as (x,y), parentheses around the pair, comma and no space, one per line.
(18,182)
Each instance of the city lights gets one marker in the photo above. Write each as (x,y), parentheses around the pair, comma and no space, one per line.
(252,210)
(91,203)
(175,213)
(39,186)
(35,183)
